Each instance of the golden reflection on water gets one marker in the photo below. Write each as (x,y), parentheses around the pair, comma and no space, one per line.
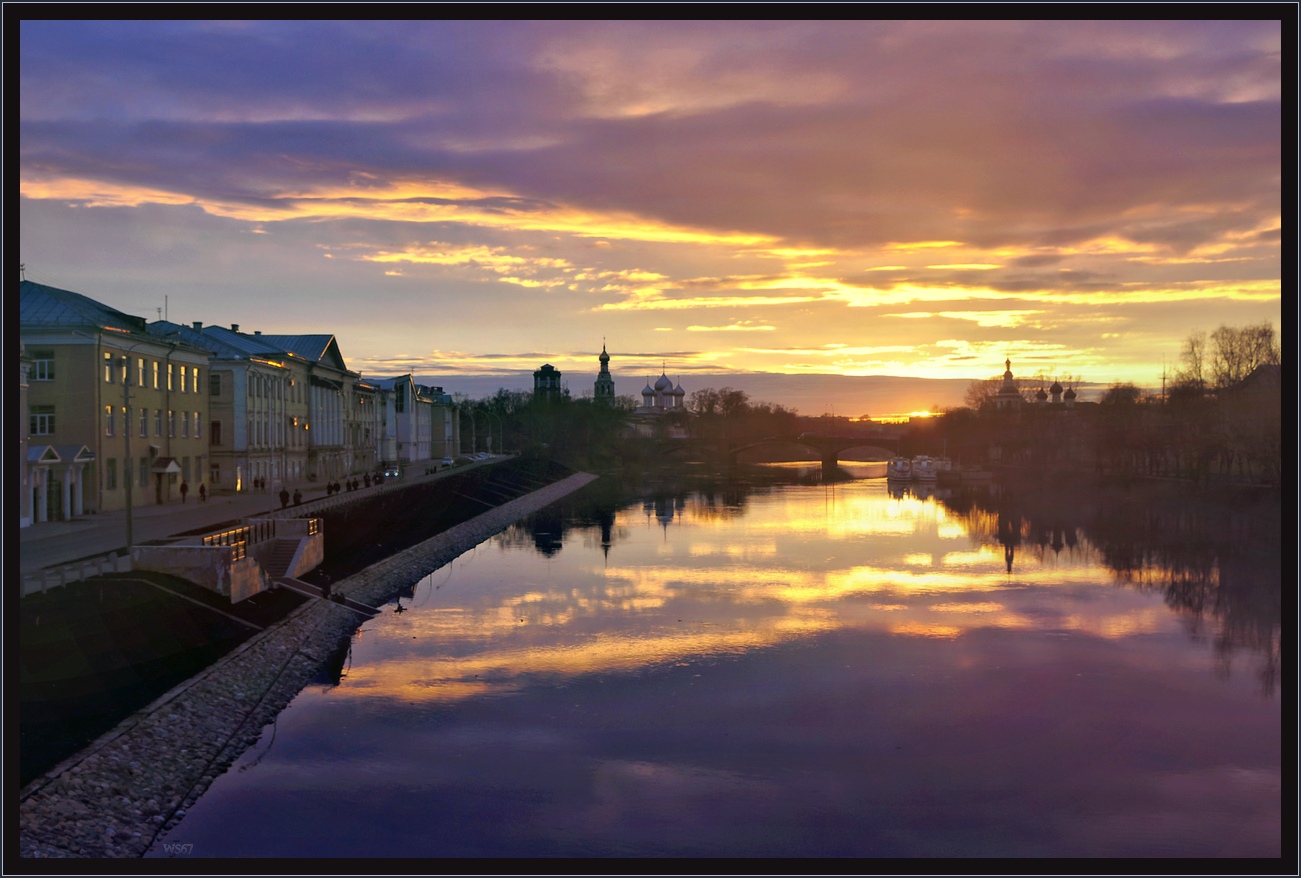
(683,581)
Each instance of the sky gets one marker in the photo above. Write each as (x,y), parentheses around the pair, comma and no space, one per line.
(714,200)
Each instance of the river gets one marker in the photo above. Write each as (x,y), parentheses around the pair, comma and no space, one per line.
(772,666)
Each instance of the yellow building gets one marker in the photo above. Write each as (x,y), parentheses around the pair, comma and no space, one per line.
(111,408)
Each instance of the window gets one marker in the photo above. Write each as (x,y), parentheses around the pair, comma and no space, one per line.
(194,387)
(108,420)
(140,372)
(155,374)
(169,376)
(198,425)
(185,426)
(43,368)
(171,424)
(108,367)
(158,422)
(110,474)
(182,379)
(144,422)
(214,474)
(214,384)
(42,420)
(214,433)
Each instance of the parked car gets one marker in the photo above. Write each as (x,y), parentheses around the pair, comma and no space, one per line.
(392,473)
(447,461)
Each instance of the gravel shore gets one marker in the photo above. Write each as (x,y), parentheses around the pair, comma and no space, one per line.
(120,794)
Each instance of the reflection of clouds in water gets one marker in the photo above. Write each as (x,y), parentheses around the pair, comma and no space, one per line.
(638,798)
(730,585)
(1173,806)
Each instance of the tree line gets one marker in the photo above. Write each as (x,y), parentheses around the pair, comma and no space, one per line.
(1219,418)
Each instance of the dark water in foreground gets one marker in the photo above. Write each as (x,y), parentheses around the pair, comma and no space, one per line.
(787,670)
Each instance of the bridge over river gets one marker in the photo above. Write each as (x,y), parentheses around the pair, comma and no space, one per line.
(829,447)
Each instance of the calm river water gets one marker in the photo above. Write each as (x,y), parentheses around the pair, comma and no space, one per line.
(777,667)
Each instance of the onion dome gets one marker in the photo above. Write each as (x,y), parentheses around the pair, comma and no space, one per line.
(1070,393)
(1041,395)
(678,391)
(605,358)
(663,383)
(1056,389)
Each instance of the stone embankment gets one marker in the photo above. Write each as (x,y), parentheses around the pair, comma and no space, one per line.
(119,795)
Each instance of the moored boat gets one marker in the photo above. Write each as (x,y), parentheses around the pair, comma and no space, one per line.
(923,468)
(899,468)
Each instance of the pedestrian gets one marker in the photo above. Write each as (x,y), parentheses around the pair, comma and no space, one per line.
(298,497)
(259,484)
(203,493)
(367,479)
(185,489)
(284,497)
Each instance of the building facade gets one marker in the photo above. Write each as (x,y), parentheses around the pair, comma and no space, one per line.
(116,416)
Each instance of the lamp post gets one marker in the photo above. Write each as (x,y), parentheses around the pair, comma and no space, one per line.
(126,429)
(500,429)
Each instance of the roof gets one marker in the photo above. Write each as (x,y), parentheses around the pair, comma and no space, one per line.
(316,348)
(41,305)
(389,383)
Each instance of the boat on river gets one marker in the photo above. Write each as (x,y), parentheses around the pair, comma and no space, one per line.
(899,469)
(923,468)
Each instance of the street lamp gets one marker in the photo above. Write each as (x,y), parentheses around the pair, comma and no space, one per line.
(500,429)
(126,429)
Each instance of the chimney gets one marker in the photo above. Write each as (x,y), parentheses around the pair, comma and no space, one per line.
(198,325)
(234,327)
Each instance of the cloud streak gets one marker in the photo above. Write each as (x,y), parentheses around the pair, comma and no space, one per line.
(539,186)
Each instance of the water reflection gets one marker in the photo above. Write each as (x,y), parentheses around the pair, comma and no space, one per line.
(773,666)
(756,568)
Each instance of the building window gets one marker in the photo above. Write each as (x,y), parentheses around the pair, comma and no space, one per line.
(214,474)
(182,379)
(140,372)
(144,423)
(43,368)
(158,422)
(155,374)
(108,420)
(169,376)
(194,385)
(42,420)
(108,367)
(214,384)
(185,426)
(110,474)
(198,425)
(214,433)
(171,424)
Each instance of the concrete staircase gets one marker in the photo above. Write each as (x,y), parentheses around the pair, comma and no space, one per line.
(282,555)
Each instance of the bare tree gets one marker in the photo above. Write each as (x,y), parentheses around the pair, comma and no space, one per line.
(1192,358)
(1238,351)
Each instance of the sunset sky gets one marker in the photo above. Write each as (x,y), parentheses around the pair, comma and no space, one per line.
(916,199)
